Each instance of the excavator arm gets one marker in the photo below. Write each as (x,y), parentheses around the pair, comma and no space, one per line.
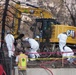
(33,11)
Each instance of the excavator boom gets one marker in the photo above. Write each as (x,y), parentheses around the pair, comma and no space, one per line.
(33,11)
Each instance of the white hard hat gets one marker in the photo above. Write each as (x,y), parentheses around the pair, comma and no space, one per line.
(37,36)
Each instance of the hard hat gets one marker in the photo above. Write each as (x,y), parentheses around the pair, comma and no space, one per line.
(37,36)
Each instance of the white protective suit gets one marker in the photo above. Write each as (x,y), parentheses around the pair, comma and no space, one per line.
(68,53)
(62,40)
(9,39)
(65,50)
(34,47)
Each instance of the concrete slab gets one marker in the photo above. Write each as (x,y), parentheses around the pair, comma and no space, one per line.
(51,71)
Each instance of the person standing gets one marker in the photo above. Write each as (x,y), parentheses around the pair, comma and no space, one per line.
(21,61)
(62,37)
(34,46)
(9,39)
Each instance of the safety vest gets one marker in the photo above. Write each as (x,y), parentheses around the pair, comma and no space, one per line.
(22,63)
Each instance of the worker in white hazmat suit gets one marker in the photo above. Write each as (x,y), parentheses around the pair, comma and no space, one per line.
(66,51)
(62,37)
(34,46)
(9,39)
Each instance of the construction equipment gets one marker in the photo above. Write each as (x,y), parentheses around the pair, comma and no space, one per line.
(56,28)
(49,29)
(46,27)
(33,11)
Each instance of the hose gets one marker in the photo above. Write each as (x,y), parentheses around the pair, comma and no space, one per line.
(42,66)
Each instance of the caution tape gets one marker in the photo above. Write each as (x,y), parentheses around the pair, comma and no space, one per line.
(52,58)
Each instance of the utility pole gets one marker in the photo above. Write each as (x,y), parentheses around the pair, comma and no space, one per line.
(3,34)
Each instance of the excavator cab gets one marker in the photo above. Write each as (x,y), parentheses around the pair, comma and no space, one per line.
(43,28)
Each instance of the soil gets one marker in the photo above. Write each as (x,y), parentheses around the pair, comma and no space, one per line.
(50,64)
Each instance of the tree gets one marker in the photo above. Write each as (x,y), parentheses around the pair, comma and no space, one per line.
(71,6)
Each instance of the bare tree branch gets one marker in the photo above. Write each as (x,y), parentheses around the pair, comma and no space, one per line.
(71,12)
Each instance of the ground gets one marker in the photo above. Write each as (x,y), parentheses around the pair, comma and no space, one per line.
(56,63)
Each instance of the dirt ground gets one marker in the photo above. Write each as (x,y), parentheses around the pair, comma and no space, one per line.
(50,64)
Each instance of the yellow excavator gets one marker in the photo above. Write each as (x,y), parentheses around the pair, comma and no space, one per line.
(33,11)
(46,28)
